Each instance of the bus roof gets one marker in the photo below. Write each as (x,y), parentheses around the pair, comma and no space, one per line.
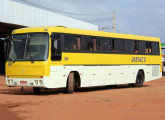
(62,29)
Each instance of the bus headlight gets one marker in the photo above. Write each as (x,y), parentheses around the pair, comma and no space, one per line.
(40,81)
(8,82)
(12,82)
(36,82)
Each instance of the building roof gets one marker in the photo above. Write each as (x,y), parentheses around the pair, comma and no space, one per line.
(22,13)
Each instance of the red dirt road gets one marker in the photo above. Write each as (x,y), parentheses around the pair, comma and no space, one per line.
(120,103)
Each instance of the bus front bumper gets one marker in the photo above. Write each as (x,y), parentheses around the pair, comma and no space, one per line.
(26,82)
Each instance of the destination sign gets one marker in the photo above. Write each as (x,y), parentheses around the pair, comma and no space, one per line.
(138,59)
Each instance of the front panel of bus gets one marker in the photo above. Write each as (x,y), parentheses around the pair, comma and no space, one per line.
(27,63)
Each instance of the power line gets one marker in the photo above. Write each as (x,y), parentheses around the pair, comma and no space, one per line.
(101,20)
(64,11)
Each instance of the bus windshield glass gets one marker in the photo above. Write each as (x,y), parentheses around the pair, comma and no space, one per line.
(29,47)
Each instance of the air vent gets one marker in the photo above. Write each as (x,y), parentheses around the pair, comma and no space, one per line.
(155,70)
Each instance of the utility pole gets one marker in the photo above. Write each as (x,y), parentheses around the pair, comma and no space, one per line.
(113,21)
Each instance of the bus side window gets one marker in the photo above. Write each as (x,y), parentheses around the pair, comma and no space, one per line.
(131,46)
(142,47)
(69,42)
(119,45)
(72,42)
(90,43)
(155,48)
(56,47)
(104,44)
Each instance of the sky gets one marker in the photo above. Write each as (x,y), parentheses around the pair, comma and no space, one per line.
(139,17)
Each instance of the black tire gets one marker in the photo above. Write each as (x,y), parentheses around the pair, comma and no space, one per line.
(71,83)
(36,90)
(139,79)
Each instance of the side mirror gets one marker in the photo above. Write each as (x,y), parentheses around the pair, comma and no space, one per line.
(55,45)
(5,47)
(7,43)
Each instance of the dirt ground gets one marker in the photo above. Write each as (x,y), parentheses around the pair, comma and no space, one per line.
(103,103)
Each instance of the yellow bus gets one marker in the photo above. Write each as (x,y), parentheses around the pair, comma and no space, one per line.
(60,57)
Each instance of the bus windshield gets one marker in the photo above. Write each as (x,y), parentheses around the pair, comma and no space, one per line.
(29,47)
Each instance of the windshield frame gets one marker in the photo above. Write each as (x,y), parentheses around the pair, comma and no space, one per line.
(47,56)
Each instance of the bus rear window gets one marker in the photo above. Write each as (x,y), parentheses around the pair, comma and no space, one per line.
(155,48)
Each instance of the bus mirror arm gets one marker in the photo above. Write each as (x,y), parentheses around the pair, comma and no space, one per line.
(6,42)
(7,45)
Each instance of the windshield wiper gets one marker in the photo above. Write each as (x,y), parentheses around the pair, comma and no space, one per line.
(14,60)
(32,61)
(31,58)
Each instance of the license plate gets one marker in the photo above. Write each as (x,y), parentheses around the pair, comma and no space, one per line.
(23,82)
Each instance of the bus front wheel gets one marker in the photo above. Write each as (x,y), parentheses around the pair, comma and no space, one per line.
(71,83)
(36,90)
(139,79)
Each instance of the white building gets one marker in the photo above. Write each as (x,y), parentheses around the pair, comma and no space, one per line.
(21,13)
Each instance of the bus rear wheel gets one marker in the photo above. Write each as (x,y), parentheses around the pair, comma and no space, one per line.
(36,90)
(139,79)
(71,83)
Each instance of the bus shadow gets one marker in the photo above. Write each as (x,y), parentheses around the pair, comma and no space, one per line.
(15,91)
(110,87)
(29,91)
